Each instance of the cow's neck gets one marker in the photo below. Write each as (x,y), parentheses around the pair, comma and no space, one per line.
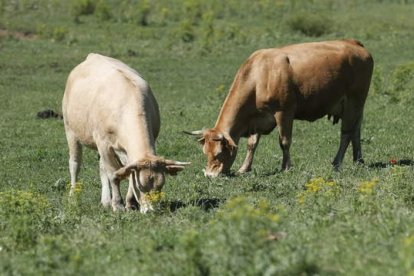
(234,114)
(139,142)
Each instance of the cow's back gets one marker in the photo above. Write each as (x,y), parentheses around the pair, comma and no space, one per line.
(311,77)
(101,94)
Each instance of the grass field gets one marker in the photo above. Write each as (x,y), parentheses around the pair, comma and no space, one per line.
(309,220)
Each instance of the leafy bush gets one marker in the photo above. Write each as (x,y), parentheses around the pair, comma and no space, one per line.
(402,83)
(309,24)
(57,33)
(82,7)
(23,216)
(236,241)
(103,11)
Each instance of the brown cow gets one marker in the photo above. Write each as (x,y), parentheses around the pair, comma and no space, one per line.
(275,86)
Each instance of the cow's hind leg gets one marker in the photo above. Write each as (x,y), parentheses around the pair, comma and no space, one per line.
(75,159)
(356,144)
(284,122)
(350,131)
(343,145)
(252,143)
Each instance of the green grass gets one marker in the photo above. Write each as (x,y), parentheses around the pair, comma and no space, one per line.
(265,222)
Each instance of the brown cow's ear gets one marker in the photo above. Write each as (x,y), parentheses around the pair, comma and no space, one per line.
(218,137)
(229,143)
(202,140)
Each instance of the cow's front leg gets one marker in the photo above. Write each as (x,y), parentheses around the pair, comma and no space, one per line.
(110,165)
(106,190)
(285,122)
(131,200)
(252,143)
(117,204)
(145,204)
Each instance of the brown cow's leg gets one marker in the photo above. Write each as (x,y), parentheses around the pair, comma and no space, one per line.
(356,143)
(252,143)
(285,122)
(350,130)
(343,145)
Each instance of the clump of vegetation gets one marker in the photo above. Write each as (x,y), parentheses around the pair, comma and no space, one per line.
(402,83)
(23,216)
(103,11)
(318,188)
(367,187)
(407,254)
(397,85)
(309,24)
(83,7)
(240,226)
(57,33)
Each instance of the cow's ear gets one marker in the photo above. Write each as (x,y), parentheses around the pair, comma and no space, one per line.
(173,167)
(229,143)
(202,140)
(124,172)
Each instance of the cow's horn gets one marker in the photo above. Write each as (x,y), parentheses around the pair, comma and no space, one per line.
(176,163)
(195,132)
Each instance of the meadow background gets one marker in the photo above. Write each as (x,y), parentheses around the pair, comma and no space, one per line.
(310,220)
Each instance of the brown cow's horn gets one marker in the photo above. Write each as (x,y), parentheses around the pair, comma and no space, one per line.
(195,132)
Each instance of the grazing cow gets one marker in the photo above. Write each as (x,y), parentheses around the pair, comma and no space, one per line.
(275,86)
(109,107)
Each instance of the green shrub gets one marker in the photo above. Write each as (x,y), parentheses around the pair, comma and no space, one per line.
(103,11)
(185,32)
(235,241)
(57,33)
(23,216)
(309,24)
(402,83)
(82,7)
(378,83)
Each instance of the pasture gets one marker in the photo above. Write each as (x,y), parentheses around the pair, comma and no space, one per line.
(309,220)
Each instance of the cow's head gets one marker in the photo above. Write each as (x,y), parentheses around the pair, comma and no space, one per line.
(150,177)
(220,149)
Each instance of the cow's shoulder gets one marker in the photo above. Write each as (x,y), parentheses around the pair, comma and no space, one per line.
(119,68)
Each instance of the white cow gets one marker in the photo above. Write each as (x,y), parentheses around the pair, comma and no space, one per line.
(109,107)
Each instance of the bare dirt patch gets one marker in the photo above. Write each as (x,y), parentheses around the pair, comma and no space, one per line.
(17,35)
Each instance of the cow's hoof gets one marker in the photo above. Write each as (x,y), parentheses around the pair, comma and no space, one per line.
(106,204)
(118,207)
(243,170)
(131,207)
(146,207)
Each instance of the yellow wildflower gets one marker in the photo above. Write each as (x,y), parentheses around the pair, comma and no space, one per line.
(315,184)
(318,186)
(154,196)
(366,187)
(78,188)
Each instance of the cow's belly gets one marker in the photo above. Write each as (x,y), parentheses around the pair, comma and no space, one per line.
(313,109)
